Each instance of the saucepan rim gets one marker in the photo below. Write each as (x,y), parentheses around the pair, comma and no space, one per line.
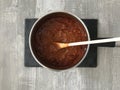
(48,15)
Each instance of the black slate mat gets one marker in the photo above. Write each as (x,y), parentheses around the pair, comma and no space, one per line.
(89,61)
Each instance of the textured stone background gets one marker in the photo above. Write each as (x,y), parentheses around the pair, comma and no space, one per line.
(13,74)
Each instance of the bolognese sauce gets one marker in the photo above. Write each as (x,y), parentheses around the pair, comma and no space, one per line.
(64,29)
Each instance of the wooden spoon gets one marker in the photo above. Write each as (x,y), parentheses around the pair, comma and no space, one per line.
(64,45)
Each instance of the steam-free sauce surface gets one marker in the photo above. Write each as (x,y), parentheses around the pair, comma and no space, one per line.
(59,29)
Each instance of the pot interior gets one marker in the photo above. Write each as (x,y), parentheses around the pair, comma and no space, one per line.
(58,27)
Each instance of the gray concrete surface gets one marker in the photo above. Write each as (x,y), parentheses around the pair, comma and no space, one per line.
(13,74)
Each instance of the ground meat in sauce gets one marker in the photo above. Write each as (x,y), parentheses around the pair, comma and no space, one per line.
(59,29)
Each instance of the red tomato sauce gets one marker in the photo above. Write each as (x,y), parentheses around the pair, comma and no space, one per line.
(59,29)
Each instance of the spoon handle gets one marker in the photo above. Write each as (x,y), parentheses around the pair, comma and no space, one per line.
(95,41)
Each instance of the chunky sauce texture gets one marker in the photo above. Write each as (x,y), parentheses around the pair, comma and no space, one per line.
(59,29)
